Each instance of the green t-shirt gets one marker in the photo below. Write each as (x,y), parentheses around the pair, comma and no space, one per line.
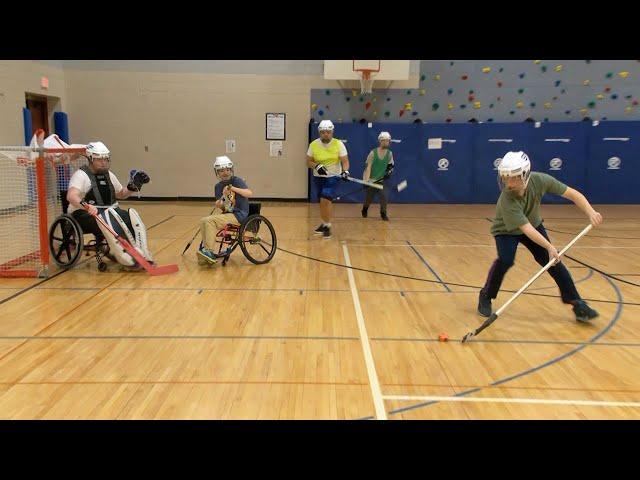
(513,211)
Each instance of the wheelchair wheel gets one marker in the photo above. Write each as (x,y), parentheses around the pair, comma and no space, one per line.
(258,239)
(65,241)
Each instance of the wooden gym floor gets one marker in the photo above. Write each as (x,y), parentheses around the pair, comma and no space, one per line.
(302,339)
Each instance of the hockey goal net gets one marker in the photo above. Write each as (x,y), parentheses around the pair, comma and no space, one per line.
(33,184)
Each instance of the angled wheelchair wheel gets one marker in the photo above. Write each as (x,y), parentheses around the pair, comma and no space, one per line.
(65,241)
(257,239)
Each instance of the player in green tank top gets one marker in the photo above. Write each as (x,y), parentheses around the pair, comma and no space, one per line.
(379,168)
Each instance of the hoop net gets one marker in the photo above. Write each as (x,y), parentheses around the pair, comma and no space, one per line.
(367,78)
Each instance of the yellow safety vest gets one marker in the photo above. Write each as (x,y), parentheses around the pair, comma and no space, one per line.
(326,156)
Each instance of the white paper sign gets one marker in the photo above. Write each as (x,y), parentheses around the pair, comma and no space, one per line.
(434,143)
(276,126)
(230,146)
(275,149)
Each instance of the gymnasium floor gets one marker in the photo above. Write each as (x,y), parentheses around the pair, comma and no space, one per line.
(299,338)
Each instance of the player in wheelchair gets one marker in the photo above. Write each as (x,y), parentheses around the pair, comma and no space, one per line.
(96,186)
(234,221)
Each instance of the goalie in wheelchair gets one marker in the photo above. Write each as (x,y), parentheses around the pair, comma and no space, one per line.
(95,185)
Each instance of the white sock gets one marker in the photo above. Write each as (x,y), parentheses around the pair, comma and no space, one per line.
(327,225)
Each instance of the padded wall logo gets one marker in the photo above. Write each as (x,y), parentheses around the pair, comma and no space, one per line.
(496,163)
(555,164)
(443,164)
(614,163)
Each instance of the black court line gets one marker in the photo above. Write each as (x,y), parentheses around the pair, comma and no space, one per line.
(428,266)
(64,270)
(557,359)
(511,341)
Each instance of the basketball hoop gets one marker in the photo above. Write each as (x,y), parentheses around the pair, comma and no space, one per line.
(367,78)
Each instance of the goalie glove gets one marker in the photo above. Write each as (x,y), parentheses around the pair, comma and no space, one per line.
(388,172)
(137,178)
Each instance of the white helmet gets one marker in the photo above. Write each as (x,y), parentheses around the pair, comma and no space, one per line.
(325,125)
(514,164)
(222,162)
(384,136)
(97,150)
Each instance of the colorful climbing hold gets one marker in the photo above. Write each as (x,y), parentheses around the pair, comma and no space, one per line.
(387,113)
(557,83)
(464,77)
(449,106)
(435,106)
(567,112)
(422,77)
(402,112)
(320,112)
(477,105)
(501,70)
(354,93)
(314,106)
(614,96)
(436,77)
(520,91)
(471,98)
(609,75)
(491,105)
(367,105)
(348,99)
(450,91)
(623,74)
(511,112)
(519,104)
(408,106)
(599,96)
(591,104)
(448,120)
(463,106)
(422,91)
(558,68)
(583,111)
(499,84)
(537,61)
(522,75)
(327,92)
(547,105)
(408,92)
(486,69)
(532,104)
(607,89)
(543,68)
(586,82)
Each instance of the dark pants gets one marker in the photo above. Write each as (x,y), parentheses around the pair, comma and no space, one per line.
(507,245)
(88,224)
(371,194)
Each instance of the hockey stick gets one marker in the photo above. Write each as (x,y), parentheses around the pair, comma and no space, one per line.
(196,234)
(151,269)
(497,313)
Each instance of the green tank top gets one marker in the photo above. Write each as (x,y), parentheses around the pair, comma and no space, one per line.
(379,165)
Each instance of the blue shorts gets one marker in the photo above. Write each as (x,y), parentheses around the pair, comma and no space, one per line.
(326,186)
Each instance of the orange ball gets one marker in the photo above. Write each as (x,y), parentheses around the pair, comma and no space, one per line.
(443,337)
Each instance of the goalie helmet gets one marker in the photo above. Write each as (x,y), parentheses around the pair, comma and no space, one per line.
(97,150)
(222,163)
(514,164)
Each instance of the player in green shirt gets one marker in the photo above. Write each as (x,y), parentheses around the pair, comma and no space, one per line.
(518,220)
(379,168)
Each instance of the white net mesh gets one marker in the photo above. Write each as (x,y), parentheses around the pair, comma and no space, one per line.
(366,81)
(30,200)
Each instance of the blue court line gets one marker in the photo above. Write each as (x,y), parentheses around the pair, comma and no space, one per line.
(602,332)
(428,266)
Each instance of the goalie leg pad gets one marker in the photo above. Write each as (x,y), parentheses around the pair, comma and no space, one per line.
(140,233)
(114,221)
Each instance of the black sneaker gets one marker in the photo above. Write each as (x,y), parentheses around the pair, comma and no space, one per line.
(384,217)
(484,305)
(364,213)
(320,230)
(584,312)
(326,235)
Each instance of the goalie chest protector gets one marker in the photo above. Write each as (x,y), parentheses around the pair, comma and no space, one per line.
(102,192)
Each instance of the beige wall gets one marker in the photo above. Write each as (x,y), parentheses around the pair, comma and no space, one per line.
(16,78)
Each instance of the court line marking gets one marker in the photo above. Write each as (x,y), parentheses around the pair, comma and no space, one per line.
(543,401)
(428,266)
(376,392)
(474,245)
